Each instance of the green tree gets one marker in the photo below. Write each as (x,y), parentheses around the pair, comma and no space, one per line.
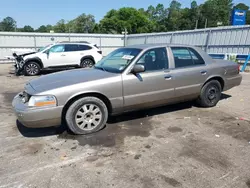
(26,28)
(174,16)
(60,27)
(115,21)
(8,24)
(42,29)
(216,11)
(83,24)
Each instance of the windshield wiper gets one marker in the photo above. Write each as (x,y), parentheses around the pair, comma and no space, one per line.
(101,68)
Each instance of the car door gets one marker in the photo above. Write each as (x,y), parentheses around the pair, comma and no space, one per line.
(55,56)
(72,54)
(152,87)
(190,72)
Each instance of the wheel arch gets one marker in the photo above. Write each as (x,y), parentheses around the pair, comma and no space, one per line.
(88,57)
(35,59)
(87,94)
(218,78)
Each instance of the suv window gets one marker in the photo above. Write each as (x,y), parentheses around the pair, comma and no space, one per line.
(185,57)
(71,47)
(84,47)
(57,48)
(154,59)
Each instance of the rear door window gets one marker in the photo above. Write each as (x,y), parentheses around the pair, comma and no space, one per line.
(185,57)
(71,47)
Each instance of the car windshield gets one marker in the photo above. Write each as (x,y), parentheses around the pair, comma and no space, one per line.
(43,48)
(118,60)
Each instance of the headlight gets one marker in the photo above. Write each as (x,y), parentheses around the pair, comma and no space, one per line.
(42,101)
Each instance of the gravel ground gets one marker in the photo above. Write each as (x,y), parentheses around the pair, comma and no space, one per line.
(174,146)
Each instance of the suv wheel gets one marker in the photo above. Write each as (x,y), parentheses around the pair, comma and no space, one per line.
(86,115)
(210,94)
(87,63)
(32,69)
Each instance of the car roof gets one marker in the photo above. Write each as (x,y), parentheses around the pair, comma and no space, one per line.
(148,46)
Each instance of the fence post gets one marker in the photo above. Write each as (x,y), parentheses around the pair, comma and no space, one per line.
(69,37)
(100,42)
(171,39)
(207,40)
(35,41)
(146,39)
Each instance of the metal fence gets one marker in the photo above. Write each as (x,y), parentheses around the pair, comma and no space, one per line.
(33,41)
(234,39)
(213,40)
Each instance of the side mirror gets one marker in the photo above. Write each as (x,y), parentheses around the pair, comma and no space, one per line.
(138,68)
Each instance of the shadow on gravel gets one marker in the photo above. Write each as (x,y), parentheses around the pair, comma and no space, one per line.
(131,121)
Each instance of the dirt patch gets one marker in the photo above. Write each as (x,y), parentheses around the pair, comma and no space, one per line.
(171,181)
(114,134)
(238,129)
(248,183)
(9,96)
(204,152)
(147,182)
(174,129)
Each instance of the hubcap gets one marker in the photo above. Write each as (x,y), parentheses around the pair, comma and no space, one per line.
(212,94)
(87,63)
(32,69)
(88,117)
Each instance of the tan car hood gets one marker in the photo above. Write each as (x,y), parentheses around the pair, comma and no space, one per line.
(66,78)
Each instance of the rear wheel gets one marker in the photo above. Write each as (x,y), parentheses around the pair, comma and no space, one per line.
(87,63)
(32,69)
(210,94)
(87,115)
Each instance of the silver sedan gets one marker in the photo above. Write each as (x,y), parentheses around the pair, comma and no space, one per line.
(128,79)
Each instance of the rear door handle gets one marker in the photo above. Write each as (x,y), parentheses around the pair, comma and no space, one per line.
(168,77)
(63,55)
(203,72)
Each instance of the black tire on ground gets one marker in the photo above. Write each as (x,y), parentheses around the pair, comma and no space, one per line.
(210,94)
(86,115)
(32,68)
(87,63)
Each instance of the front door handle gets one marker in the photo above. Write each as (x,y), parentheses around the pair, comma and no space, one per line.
(203,72)
(63,55)
(168,77)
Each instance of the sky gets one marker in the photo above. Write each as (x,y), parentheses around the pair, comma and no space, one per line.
(42,12)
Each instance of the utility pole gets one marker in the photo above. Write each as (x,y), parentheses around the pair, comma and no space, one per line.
(206,24)
(125,32)
(196,24)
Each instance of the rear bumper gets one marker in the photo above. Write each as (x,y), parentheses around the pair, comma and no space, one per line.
(232,82)
(36,118)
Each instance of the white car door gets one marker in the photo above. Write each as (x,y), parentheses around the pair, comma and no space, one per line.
(73,54)
(55,56)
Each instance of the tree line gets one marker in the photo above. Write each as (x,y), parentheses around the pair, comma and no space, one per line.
(211,13)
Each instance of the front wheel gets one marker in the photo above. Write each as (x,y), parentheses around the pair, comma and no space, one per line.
(86,115)
(87,63)
(32,69)
(210,94)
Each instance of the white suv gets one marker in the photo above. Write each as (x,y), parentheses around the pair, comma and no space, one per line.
(59,55)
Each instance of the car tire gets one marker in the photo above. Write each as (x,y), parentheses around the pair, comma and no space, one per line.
(86,115)
(87,63)
(210,94)
(32,68)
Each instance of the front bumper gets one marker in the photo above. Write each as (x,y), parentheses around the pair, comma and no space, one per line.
(36,117)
